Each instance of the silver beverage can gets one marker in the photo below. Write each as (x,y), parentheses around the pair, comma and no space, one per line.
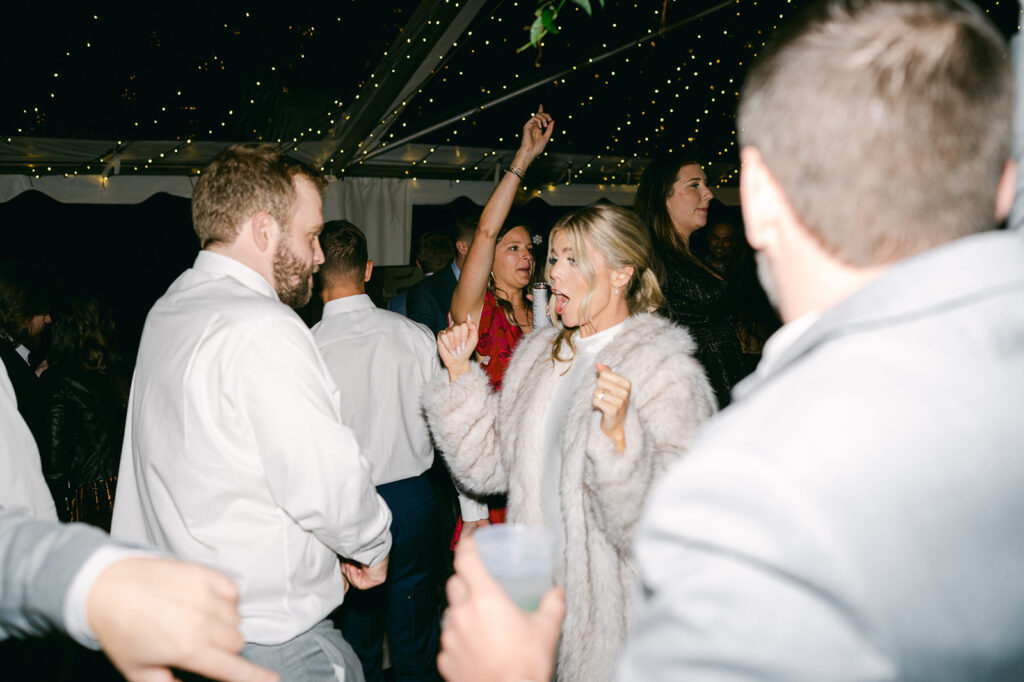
(541,292)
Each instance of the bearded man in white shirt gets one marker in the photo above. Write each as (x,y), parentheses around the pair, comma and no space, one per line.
(381,360)
(235,454)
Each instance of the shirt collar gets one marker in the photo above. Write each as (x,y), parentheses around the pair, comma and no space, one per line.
(774,350)
(783,339)
(455,269)
(219,264)
(347,304)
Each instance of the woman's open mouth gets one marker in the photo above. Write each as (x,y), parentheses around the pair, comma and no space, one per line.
(561,302)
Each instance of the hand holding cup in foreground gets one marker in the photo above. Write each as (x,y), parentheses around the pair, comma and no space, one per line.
(486,637)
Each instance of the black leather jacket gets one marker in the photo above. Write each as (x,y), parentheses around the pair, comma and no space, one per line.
(84,420)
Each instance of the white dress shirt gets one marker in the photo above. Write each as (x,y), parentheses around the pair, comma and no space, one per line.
(380,361)
(22,486)
(235,455)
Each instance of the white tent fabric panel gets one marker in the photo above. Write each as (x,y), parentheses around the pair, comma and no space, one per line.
(381,208)
(93,189)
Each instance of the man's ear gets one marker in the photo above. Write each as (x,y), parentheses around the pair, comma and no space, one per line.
(765,206)
(369,270)
(462,246)
(263,228)
(1007,190)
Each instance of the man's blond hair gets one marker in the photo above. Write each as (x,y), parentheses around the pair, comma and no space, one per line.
(241,181)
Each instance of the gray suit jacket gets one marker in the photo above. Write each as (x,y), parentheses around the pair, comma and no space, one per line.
(858,512)
(38,561)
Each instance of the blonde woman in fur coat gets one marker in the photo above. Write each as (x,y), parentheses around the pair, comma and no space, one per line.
(592,411)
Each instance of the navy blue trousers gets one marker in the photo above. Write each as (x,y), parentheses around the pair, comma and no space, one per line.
(405,606)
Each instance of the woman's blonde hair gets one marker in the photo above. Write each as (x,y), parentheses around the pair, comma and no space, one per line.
(621,238)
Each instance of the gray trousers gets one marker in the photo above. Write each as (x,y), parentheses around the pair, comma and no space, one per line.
(319,655)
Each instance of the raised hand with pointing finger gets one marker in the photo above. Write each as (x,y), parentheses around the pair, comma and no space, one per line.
(456,345)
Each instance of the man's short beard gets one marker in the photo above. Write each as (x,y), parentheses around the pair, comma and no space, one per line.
(291,276)
(767,279)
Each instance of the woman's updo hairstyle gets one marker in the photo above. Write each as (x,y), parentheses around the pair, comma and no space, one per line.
(622,240)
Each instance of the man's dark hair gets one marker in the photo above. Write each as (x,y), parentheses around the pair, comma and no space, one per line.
(434,251)
(885,122)
(345,252)
(465,227)
(25,291)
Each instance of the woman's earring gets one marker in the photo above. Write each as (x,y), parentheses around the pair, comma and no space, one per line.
(616,291)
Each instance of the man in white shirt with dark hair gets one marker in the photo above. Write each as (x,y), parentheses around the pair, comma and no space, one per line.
(380,361)
(235,454)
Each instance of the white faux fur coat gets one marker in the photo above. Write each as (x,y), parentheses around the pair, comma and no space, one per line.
(493,443)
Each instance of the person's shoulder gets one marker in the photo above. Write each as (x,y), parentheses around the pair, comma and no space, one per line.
(223,296)
(61,377)
(230,315)
(402,325)
(654,335)
(537,340)
(440,282)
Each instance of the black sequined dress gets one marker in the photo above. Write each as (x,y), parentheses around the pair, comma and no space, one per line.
(703,303)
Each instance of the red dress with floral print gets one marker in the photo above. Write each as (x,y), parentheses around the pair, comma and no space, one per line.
(498,338)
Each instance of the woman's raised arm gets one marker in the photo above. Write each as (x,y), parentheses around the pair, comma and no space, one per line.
(468,299)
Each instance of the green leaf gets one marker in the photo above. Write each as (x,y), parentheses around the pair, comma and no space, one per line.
(585,4)
(548,17)
(601,2)
(537,31)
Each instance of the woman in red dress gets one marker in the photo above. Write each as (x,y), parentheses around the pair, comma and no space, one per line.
(497,272)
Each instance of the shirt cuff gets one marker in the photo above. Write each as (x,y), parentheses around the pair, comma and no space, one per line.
(75,620)
(471,509)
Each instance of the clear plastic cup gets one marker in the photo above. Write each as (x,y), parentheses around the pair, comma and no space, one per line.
(520,558)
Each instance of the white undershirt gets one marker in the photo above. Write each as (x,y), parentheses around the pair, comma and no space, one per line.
(566,387)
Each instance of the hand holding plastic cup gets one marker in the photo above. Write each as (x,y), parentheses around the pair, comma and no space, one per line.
(520,558)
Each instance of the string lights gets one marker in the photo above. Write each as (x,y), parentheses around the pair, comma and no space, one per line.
(291,76)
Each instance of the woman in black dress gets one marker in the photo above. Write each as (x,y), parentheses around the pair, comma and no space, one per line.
(673,200)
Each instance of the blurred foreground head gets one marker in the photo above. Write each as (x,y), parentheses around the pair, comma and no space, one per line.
(885,123)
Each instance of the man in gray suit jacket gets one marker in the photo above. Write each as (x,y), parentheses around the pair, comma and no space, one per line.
(857,513)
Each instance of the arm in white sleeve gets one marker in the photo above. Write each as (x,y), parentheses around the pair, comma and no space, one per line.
(312,462)
(472,510)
